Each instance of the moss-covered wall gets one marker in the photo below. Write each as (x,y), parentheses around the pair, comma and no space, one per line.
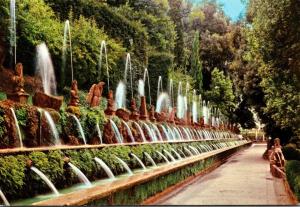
(18,181)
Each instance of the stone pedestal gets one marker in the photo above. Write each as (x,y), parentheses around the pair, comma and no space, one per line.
(18,97)
(110,110)
(47,101)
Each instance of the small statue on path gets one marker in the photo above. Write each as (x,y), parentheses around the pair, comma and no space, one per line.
(95,93)
(74,99)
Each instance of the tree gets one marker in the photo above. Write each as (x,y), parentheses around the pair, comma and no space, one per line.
(221,92)
(274,47)
(196,65)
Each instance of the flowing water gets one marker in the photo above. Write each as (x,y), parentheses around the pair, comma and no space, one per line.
(121,95)
(79,128)
(169,155)
(141,88)
(45,70)
(146,75)
(45,179)
(157,131)
(80,175)
(176,153)
(5,201)
(129,131)
(99,133)
(139,161)
(159,86)
(196,152)
(163,102)
(171,92)
(104,166)
(53,128)
(151,134)
(163,156)
(17,127)
(140,131)
(128,65)
(103,47)
(127,168)
(150,159)
(13,31)
(188,151)
(116,131)
(67,36)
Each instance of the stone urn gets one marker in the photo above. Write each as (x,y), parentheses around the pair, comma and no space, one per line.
(47,101)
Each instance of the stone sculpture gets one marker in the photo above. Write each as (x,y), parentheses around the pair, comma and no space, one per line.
(95,93)
(74,99)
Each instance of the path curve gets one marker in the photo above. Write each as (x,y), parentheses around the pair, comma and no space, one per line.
(244,179)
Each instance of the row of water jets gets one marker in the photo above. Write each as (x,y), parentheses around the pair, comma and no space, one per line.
(166,155)
(169,131)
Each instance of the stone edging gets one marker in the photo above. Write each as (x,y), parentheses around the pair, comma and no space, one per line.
(85,196)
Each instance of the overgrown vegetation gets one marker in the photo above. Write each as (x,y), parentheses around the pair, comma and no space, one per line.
(293,176)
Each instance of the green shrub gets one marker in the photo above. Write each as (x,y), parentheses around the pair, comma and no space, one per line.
(291,153)
(12,173)
(293,176)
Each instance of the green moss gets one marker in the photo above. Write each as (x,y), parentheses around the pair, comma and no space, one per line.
(21,114)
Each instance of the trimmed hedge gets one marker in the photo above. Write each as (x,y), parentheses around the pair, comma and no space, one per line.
(291,153)
(17,181)
(292,169)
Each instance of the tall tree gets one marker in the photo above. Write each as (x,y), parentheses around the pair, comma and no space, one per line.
(196,65)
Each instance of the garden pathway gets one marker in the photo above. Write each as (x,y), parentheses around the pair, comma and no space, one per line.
(244,179)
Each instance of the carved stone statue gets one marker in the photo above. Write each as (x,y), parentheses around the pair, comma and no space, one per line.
(95,93)
(19,94)
(277,159)
(110,109)
(134,111)
(74,99)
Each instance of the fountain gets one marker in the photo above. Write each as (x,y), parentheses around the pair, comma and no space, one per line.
(138,160)
(44,69)
(99,133)
(162,155)
(188,151)
(169,155)
(146,75)
(105,168)
(79,128)
(159,86)
(5,201)
(103,47)
(128,64)
(150,159)
(53,128)
(13,31)
(176,153)
(67,35)
(80,175)
(17,127)
(124,165)
(116,131)
(140,131)
(129,131)
(45,179)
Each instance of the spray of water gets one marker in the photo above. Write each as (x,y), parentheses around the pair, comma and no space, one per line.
(103,47)
(44,69)
(67,36)
(121,95)
(128,66)
(163,102)
(146,75)
(13,31)
(141,88)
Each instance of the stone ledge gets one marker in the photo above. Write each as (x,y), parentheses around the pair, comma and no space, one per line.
(70,147)
(86,196)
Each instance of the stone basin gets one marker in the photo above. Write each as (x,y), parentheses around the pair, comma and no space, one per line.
(47,101)
(107,191)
